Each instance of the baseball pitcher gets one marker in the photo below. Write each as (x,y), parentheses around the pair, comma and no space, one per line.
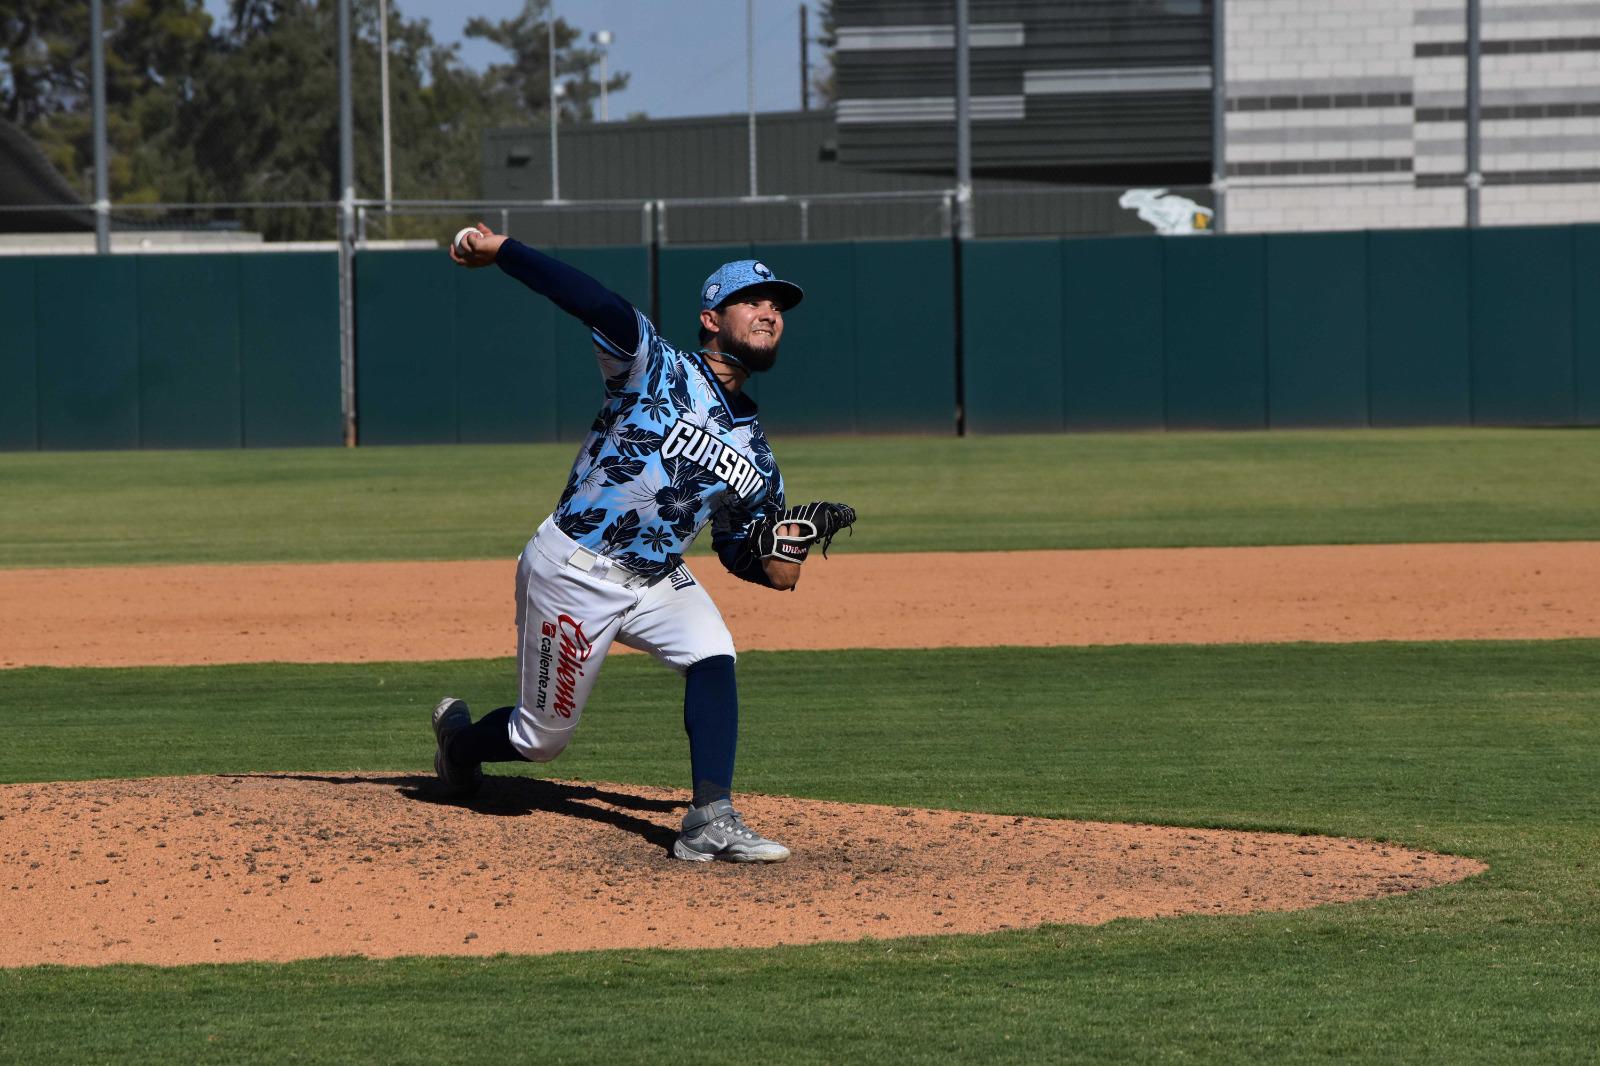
(677,445)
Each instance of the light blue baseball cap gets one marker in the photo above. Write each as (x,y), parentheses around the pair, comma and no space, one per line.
(732,278)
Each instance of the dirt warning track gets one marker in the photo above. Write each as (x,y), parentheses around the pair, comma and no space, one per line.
(360,612)
(287,866)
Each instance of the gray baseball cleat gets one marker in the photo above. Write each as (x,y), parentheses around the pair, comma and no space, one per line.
(717,831)
(449,718)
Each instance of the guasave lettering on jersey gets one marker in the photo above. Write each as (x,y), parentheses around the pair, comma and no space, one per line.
(694,444)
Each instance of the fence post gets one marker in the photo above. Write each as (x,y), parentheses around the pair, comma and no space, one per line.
(102,195)
(1219,117)
(347,234)
(805,219)
(958,317)
(1474,160)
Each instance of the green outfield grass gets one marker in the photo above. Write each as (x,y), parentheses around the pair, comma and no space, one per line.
(1487,749)
(913,493)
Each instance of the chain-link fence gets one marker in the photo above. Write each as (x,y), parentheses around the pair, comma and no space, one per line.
(764,219)
(191,227)
(267,226)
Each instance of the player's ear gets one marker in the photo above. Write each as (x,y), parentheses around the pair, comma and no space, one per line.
(711,321)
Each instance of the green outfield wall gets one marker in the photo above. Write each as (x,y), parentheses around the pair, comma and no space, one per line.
(1412,327)
(870,350)
(446,355)
(1394,328)
(169,351)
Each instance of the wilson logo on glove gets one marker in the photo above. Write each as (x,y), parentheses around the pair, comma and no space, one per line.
(808,524)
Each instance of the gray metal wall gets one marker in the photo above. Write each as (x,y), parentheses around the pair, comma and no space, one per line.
(1059,89)
(1073,104)
(679,158)
(633,163)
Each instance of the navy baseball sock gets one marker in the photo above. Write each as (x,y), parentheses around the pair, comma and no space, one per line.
(711,718)
(486,740)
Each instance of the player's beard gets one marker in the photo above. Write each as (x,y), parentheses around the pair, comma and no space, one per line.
(755,360)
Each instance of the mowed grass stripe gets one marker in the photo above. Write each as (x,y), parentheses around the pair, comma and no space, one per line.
(1489,749)
(1365,983)
(1387,739)
(913,494)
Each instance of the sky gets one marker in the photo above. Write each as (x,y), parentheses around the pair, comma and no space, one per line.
(686,57)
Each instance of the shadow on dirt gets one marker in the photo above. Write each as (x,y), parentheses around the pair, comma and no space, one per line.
(516,796)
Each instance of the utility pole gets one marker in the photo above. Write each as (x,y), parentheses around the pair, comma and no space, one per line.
(963,121)
(347,233)
(603,38)
(383,84)
(1474,159)
(805,62)
(97,74)
(555,147)
(1219,117)
(750,82)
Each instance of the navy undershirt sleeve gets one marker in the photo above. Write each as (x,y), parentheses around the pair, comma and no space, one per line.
(741,562)
(573,291)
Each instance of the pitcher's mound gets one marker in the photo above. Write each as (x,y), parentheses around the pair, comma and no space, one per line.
(293,866)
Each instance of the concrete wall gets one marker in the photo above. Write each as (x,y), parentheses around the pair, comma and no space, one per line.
(1351,115)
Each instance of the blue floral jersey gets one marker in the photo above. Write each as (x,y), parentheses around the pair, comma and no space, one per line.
(669,452)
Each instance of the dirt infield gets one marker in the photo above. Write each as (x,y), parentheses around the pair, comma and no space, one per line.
(361,612)
(282,866)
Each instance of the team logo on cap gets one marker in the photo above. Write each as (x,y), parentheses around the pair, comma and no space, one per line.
(761,270)
(712,290)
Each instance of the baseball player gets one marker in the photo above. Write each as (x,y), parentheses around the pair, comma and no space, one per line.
(677,444)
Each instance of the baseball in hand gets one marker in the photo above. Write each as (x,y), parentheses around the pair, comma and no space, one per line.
(460,242)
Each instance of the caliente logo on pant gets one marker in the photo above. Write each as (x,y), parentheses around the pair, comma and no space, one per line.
(573,651)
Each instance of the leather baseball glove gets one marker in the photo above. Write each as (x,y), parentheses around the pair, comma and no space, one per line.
(818,522)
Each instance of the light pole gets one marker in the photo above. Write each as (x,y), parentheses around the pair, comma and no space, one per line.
(750,83)
(559,94)
(347,232)
(1219,117)
(963,121)
(102,187)
(383,83)
(1474,110)
(603,39)
(555,147)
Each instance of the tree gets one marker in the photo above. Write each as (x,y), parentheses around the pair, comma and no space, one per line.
(37,53)
(526,78)
(263,121)
(250,111)
(153,50)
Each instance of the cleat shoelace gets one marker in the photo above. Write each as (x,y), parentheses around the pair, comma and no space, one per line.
(734,825)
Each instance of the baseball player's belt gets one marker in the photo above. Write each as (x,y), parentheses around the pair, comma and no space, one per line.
(596,565)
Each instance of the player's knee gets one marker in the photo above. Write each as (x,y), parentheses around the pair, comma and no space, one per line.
(712,645)
(710,664)
(707,658)
(534,743)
